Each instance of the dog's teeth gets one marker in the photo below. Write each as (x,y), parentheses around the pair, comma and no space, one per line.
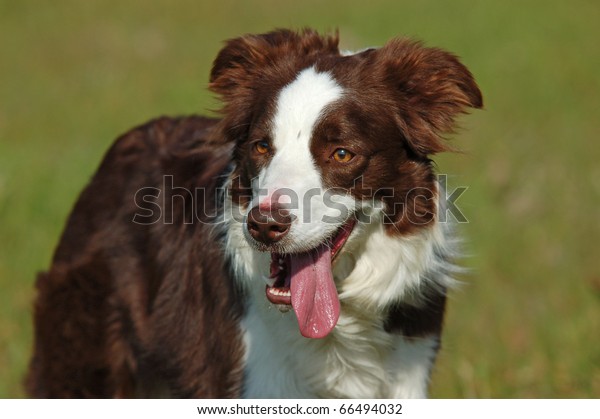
(280,292)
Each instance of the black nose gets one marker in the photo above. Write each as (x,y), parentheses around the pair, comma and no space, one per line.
(268,226)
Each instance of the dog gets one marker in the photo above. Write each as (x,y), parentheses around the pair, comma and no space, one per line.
(292,248)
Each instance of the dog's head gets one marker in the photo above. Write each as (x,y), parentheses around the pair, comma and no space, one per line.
(320,136)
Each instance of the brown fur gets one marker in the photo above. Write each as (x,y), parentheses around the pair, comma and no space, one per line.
(129,304)
(422,90)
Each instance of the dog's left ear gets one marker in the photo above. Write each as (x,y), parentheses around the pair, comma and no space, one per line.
(430,87)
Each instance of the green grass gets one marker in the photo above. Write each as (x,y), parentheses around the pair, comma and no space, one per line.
(75,74)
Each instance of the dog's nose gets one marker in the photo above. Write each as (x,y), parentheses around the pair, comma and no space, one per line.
(268,226)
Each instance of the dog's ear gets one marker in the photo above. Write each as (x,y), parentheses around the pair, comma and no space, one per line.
(430,87)
(249,59)
(237,62)
(252,64)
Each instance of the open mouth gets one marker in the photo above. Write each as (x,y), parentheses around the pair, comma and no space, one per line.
(305,282)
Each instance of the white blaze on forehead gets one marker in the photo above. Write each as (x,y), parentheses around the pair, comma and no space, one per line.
(301,103)
(299,106)
(292,177)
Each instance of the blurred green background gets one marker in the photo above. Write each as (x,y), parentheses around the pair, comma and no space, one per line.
(75,74)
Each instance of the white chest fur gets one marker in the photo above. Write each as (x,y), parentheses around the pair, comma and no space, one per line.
(358,360)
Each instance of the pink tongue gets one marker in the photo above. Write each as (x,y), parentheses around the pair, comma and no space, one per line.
(314,296)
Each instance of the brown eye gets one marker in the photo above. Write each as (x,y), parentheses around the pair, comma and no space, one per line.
(341,155)
(262,147)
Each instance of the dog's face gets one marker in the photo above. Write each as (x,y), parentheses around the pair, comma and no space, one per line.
(320,136)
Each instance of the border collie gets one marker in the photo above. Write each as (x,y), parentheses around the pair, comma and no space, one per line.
(292,248)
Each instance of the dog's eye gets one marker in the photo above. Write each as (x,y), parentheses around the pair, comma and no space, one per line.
(262,147)
(342,155)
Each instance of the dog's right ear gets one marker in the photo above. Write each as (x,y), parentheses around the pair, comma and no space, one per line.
(250,59)
(254,63)
(236,63)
